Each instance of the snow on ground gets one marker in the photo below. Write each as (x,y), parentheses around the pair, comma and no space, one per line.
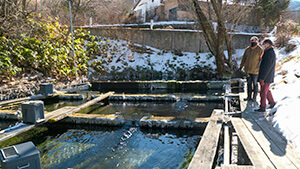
(156,23)
(286,91)
(122,55)
(157,59)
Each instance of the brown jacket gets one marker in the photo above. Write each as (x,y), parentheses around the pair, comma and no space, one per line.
(251,59)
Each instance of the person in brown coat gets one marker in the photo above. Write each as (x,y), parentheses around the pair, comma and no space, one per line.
(250,62)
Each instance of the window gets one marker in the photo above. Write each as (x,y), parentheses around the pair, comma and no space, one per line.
(173,14)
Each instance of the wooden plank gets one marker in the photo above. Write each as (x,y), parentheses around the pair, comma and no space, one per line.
(232,166)
(292,153)
(78,108)
(206,150)
(254,151)
(58,112)
(276,155)
(276,140)
(226,146)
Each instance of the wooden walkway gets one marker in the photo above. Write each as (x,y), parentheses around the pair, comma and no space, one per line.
(264,146)
(204,156)
(266,143)
(51,117)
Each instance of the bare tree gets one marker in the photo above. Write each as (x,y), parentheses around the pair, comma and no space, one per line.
(12,15)
(101,11)
(215,40)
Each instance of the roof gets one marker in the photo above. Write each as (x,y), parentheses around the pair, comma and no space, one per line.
(137,4)
(151,2)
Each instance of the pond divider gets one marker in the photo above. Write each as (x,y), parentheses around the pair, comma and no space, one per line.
(164,97)
(173,122)
(66,96)
(170,85)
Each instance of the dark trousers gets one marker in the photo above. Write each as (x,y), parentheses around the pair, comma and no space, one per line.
(265,94)
(252,85)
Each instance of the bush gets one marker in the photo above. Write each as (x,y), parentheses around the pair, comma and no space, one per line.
(282,40)
(290,47)
(284,33)
(46,48)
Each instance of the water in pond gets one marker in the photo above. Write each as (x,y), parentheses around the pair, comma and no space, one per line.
(51,105)
(126,147)
(129,146)
(135,111)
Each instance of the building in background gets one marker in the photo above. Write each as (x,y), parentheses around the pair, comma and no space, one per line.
(162,10)
(145,10)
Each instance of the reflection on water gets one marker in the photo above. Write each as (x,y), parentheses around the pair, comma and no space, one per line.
(126,147)
(51,105)
(181,109)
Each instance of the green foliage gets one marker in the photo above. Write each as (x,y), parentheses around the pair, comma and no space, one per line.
(7,68)
(47,48)
(271,10)
(97,66)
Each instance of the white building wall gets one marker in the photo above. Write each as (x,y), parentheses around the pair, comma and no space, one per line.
(144,6)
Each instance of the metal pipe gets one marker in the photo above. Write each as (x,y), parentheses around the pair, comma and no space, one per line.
(226,146)
(73,53)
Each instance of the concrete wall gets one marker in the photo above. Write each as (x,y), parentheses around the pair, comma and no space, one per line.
(183,40)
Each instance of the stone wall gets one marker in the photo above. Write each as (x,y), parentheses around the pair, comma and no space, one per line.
(172,39)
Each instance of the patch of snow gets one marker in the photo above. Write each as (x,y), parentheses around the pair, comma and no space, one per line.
(286,91)
(158,60)
(163,23)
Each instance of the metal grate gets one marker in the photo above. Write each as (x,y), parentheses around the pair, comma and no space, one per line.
(9,152)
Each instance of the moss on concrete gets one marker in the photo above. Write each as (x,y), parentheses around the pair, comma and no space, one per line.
(26,136)
(101,119)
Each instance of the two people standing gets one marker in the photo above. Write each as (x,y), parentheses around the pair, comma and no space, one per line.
(260,67)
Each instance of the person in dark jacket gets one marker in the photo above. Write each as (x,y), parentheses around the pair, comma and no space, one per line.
(266,75)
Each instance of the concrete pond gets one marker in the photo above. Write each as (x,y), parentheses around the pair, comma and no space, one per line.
(122,131)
